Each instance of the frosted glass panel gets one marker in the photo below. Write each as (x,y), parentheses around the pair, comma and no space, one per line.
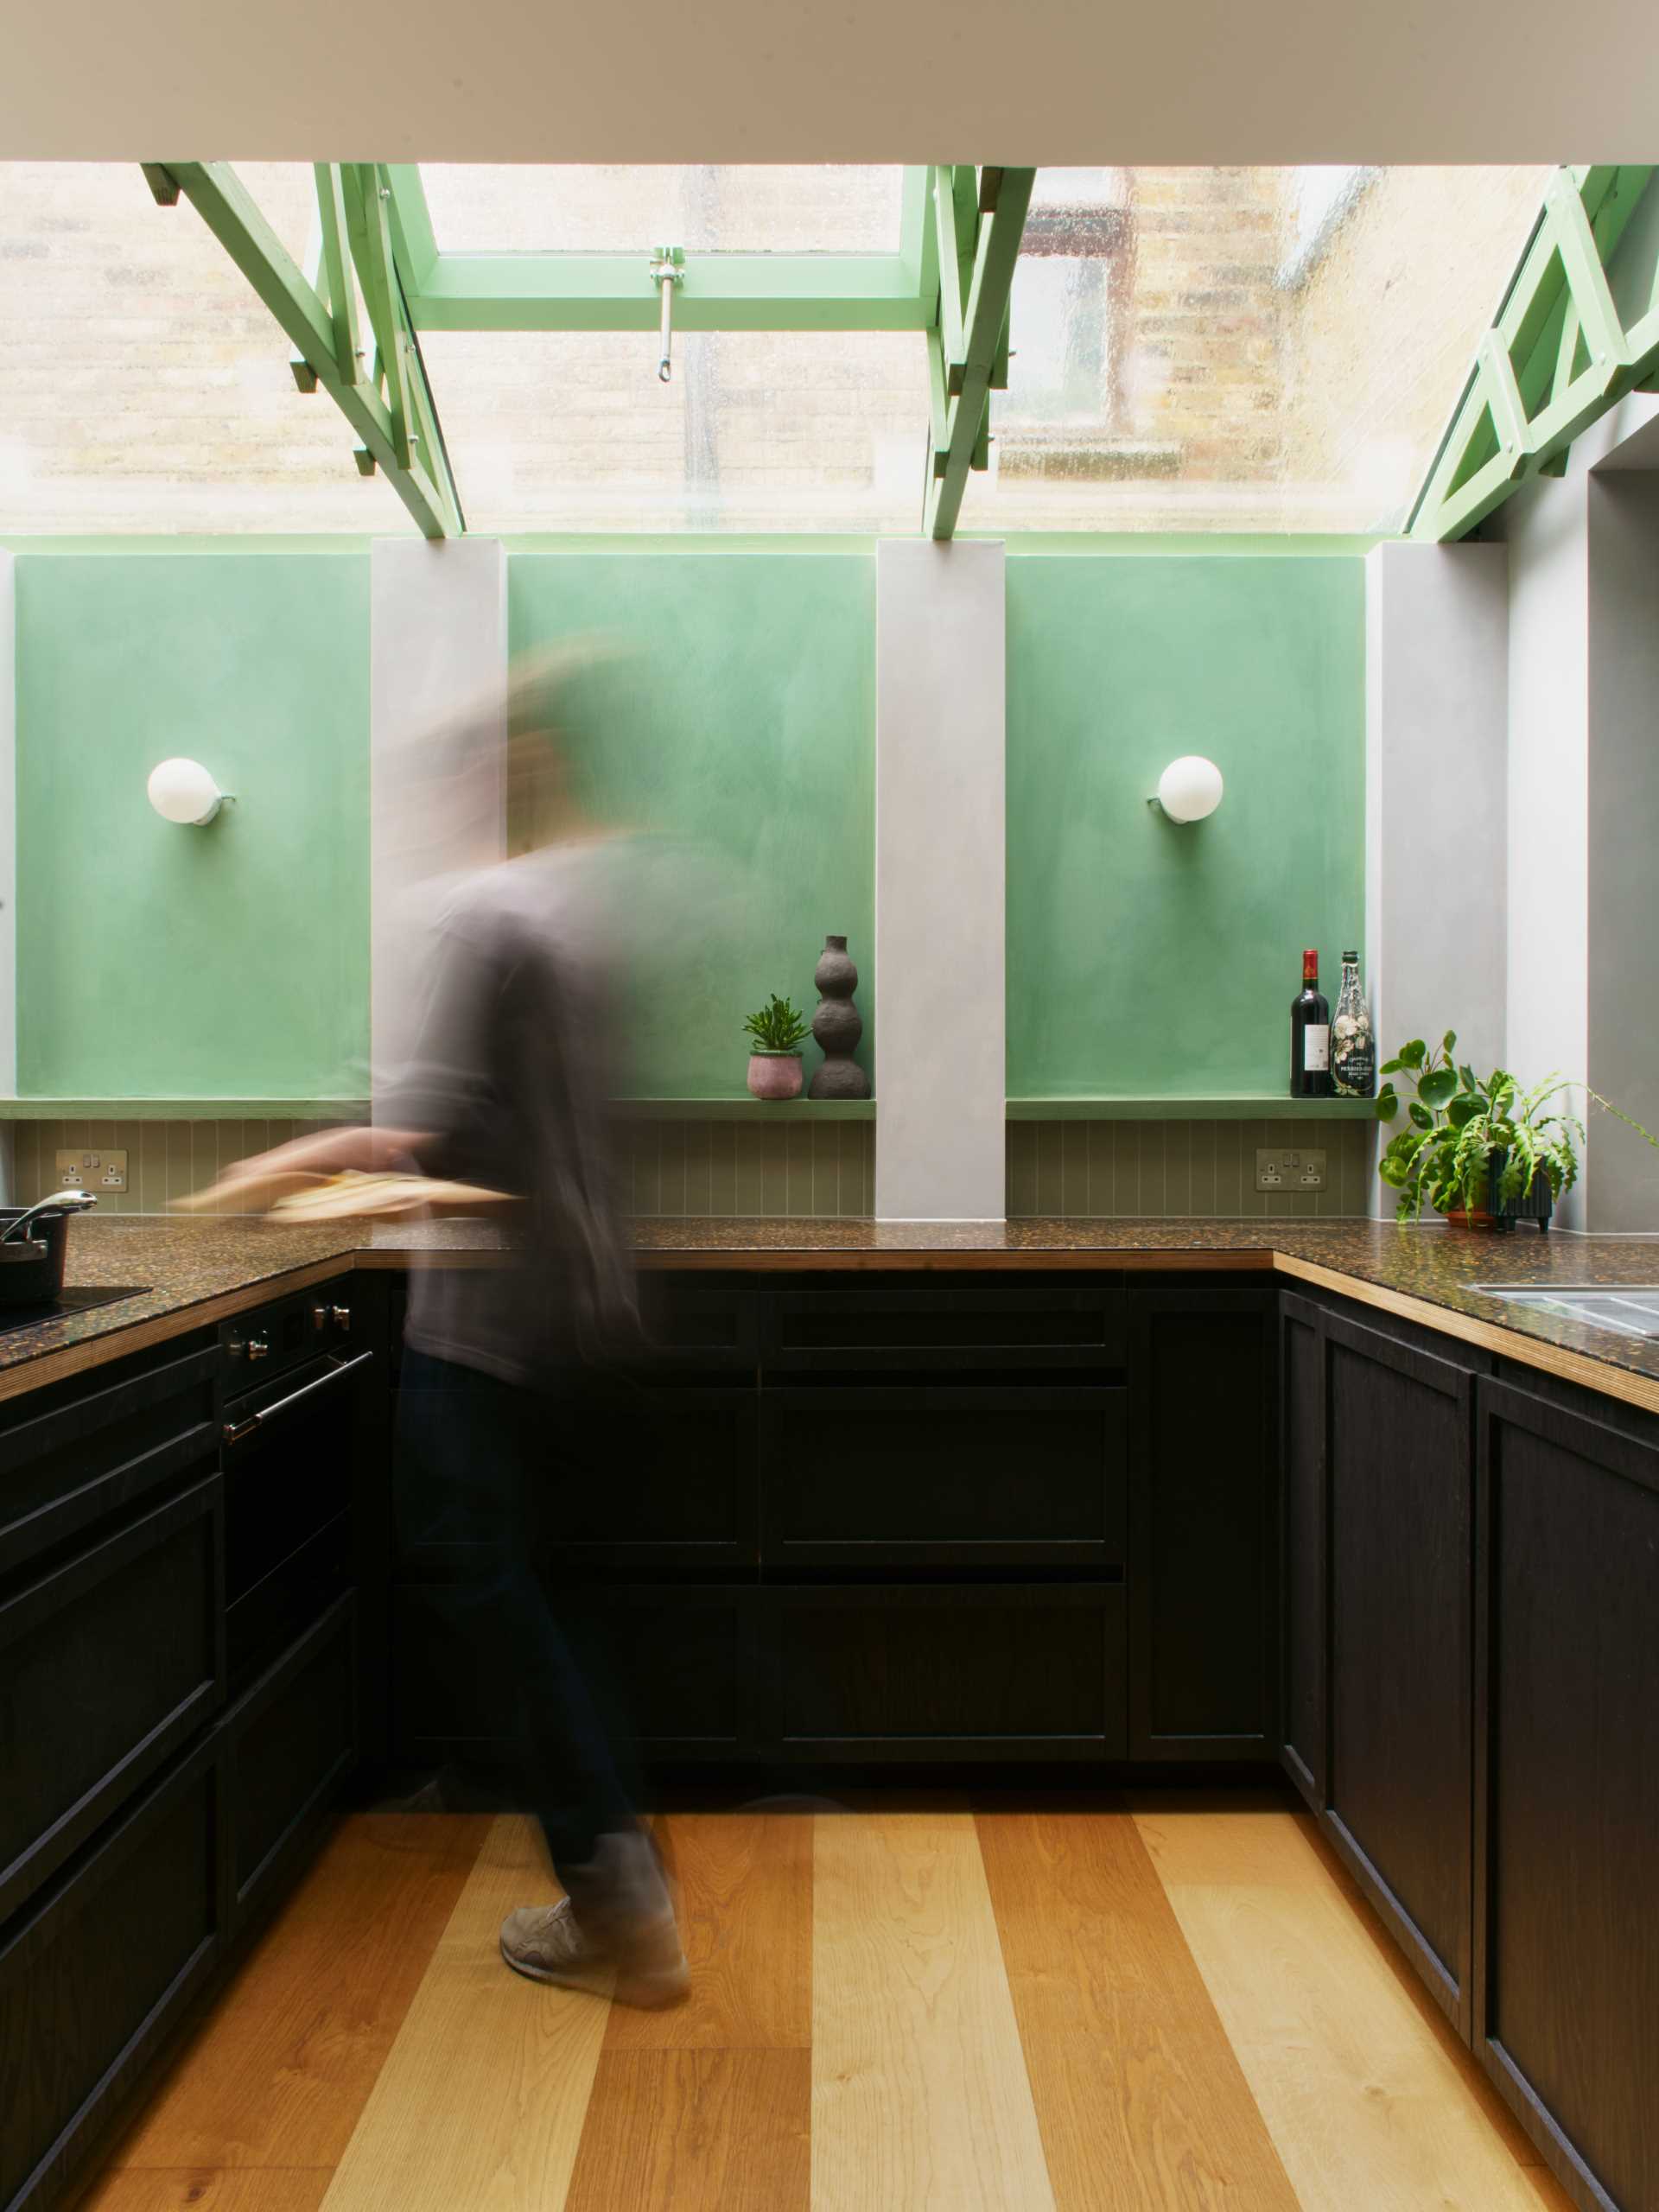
(1250,349)
(567,208)
(142,385)
(789,430)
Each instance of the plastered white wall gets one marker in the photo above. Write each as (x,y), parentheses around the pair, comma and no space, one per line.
(940,847)
(437,663)
(1436,739)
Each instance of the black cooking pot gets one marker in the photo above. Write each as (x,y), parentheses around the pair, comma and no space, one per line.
(31,1264)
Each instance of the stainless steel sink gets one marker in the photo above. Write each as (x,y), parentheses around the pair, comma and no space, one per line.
(1629,1309)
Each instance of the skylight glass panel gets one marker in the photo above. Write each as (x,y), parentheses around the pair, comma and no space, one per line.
(730,208)
(1241,349)
(142,385)
(760,430)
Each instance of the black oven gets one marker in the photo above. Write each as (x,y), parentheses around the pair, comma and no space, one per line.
(288,1443)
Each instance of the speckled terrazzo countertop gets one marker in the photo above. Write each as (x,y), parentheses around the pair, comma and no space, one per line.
(201,1270)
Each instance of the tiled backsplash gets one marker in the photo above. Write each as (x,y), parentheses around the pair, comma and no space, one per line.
(736,1168)
(1204,1170)
(676,1168)
(165,1159)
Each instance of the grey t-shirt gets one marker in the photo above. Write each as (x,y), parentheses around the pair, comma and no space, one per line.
(512,1071)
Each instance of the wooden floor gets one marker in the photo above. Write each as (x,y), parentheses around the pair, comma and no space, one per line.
(936,2008)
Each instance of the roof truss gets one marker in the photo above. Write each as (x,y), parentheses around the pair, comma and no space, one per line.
(373,239)
(385,398)
(1557,355)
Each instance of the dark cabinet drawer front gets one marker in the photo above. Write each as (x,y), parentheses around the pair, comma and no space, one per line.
(675,1668)
(896,1672)
(945,1477)
(290,1739)
(942,1327)
(268,1619)
(679,1491)
(91,1979)
(106,1665)
(692,1323)
(281,1487)
(89,1452)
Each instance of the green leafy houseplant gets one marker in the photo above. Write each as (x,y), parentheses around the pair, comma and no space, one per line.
(779,1027)
(1476,1143)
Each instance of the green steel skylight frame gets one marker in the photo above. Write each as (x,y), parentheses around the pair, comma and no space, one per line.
(1557,356)
(950,281)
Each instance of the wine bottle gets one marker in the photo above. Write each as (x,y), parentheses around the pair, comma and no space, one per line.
(1353,1045)
(1310,1036)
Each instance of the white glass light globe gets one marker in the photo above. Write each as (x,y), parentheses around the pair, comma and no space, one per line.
(183,790)
(1189,788)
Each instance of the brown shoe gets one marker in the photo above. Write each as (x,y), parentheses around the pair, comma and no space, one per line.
(638,1962)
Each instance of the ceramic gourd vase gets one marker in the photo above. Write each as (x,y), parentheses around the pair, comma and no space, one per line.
(837,1025)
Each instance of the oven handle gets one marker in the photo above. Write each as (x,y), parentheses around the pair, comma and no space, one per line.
(234,1430)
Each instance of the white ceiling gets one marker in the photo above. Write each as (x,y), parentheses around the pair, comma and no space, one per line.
(1060,81)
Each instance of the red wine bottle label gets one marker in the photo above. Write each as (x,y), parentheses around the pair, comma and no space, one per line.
(1316,1048)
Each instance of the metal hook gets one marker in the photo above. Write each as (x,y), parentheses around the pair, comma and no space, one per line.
(667,269)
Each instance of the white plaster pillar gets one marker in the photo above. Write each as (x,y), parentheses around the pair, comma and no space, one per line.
(437,661)
(1436,805)
(8,854)
(940,862)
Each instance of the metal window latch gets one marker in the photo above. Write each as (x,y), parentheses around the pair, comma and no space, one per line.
(667,271)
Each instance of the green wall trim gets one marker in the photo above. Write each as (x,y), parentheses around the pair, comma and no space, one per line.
(183,1109)
(682,543)
(160,544)
(745,1110)
(733,713)
(1145,958)
(1252,1109)
(157,961)
(1182,545)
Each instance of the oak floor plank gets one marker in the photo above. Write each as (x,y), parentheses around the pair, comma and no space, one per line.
(199,2189)
(1365,2104)
(1141,2102)
(482,2100)
(919,2095)
(745,1897)
(696,2131)
(280,2069)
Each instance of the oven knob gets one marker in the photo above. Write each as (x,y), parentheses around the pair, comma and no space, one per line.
(318,1318)
(258,1347)
(342,1320)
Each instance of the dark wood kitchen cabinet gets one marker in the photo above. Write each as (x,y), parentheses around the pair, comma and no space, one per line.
(175,1532)
(1203,1486)
(1566,1786)
(1377,1524)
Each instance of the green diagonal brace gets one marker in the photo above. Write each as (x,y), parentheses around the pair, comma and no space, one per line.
(967,425)
(218,196)
(1524,406)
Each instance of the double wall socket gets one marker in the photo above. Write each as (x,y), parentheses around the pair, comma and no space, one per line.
(1301,1169)
(91,1171)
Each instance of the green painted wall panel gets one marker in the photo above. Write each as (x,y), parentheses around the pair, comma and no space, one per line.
(154,960)
(740,719)
(1143,957)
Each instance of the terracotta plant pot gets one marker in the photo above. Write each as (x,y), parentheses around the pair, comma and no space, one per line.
(775,1075)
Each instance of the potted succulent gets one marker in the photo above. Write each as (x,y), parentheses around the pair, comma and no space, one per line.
(1481,1150)
(777,1033)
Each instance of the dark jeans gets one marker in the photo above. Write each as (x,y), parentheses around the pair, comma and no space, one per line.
(482,1467)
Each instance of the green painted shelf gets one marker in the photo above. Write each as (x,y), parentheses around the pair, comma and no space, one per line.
(1246,1107)
(745,1108)
(184,1110)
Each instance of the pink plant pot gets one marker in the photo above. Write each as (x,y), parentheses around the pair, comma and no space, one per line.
(775,1075)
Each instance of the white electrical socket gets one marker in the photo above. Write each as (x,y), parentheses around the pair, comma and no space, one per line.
(93,1171)
(1289,1167)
